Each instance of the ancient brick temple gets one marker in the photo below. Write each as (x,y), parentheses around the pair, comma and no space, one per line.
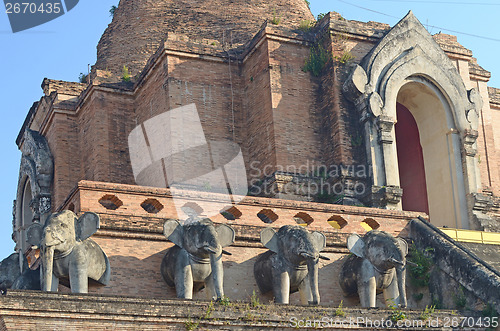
(342,126)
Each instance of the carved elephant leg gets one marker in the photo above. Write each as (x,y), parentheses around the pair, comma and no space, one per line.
(78,276)
(367,290)
(391,293)
(305,292)
(217,276)
(183,277)
(281,287)
(55,284)
(209,285)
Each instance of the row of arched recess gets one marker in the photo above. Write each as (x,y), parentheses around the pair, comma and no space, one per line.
(112,202)
(153,206)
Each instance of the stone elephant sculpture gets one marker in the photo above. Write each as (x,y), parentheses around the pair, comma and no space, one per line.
(12,278)
(196,258)
(377,263)
(67,251)
(291,264)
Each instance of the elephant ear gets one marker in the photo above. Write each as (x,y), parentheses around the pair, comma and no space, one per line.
(356,245)
(269,239)
(87,225)
(225,234)
(34,234)
(173,231)
(403,245)
(319,240)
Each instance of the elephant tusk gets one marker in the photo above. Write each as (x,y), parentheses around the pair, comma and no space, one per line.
(210,250)
(307,255)
(412,263)
(226,252)
(324,258)
(393,260)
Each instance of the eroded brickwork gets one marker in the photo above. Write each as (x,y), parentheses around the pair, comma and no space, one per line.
(133,239)
(139,26)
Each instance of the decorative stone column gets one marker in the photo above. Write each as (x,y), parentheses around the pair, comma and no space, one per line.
(36,168)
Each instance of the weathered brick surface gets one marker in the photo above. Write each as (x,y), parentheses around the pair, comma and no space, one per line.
(139,26)
(256,95)
(133,240)
(50,311)
(259,97)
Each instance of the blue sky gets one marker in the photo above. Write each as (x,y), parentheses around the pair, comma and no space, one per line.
(63,48)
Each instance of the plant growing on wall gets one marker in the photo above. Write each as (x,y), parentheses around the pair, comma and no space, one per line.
(460,298)
(112,11)
(420,270)
(317,60)
(320,16)
(82,78)
(125,74)
(276,18)
(306,25)
(345,55)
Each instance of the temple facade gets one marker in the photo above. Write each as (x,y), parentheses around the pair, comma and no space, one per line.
(261,116)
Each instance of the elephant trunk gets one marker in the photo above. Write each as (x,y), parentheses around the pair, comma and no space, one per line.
(47,267)
(400,272)
(313,270)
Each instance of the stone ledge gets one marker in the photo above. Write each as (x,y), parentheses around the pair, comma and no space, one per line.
(23,310)
(248,200)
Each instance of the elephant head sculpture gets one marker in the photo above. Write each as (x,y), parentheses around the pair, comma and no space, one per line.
(10,270)
(12,278)
(67,252)
(291,264)
(378,262)
(196,258)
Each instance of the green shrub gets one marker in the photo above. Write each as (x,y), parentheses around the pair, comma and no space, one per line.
(340,311)
(426,314)
(82,78)
(320,16)
(254,300)
(276,19)
(460,298)
(317,60)
(112,11)
(224,301)
(397,314)
(125,74)
(345,57)
(421,271)
(306,25)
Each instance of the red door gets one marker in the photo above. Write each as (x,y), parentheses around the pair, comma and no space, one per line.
(411,162)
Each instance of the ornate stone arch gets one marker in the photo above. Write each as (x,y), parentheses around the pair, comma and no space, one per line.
(408,53)
(34,185)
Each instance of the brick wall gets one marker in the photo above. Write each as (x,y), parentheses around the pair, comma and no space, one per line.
(133,240)
(139,26)
(26,310)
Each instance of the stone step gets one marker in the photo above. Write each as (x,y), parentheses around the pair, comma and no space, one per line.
(24,310)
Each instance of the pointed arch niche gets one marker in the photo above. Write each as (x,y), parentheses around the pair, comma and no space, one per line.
(408,77)
(33,200)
